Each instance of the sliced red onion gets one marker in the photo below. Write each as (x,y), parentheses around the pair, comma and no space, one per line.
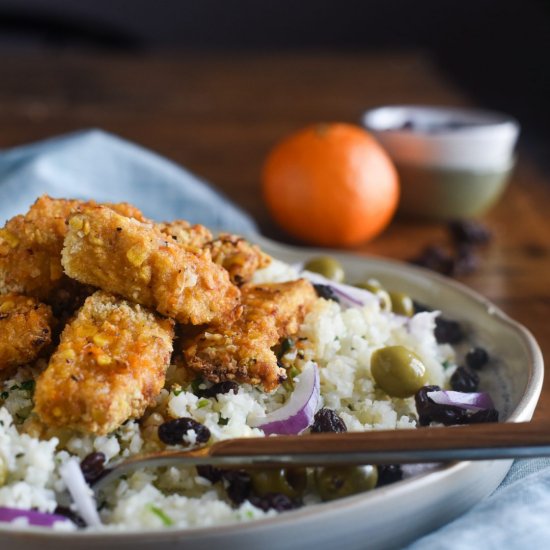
(472,401)
(83,496)
(350,296)
(39,519)
(297,413)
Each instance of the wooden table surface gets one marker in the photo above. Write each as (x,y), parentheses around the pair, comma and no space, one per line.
(218,114)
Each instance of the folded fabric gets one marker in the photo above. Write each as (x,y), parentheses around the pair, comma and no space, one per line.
(93,164)
(515,516)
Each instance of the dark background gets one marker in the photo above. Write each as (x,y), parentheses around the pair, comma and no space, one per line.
(496,50)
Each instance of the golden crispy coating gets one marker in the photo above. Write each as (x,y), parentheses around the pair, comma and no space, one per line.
(240,258)
(30,246)
(110,366)
(242,351)
(135,260)
(192,237)
(236,255)
(25,329)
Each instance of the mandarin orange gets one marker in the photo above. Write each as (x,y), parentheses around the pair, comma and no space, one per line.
(330,185)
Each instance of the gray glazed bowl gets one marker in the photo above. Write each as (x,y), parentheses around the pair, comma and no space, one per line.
(388,517)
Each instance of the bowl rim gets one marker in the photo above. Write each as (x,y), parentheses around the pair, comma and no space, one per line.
(490,120)
(521,413)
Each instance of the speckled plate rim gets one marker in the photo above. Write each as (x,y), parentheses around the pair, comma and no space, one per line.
(521,413)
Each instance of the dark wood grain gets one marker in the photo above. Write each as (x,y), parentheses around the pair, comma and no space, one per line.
(218,114)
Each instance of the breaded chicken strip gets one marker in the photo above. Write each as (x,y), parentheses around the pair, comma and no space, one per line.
(110,366)
(135,260)
(242,351)
(236,255)
(193,237)
(30,246)
(240,258)
(25,329)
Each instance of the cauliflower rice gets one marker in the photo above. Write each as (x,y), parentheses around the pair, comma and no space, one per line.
(340,341)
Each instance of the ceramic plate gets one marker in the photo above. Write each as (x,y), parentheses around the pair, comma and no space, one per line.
(393,515)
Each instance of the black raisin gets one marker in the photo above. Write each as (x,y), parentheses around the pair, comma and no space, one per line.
(221,387)
(239,485)
(477,358)
(464,380)
(465,261)
(435,258)
(447,331)
(449,415)
(68,513)
(274,501)
(173,431)
(429,412)
(326,292)
(469,232)
(93,466)
(326,420)
(389,473)
(210,473)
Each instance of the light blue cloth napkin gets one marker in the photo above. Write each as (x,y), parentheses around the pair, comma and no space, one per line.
(93,164)
(96,165)
(515,517)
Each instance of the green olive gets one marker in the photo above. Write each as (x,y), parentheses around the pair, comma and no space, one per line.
(372,285)
(288,481)
(327,267)
(341,481)
(401,304)
(398,371)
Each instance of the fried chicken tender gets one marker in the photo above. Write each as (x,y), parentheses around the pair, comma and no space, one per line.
(242,351)
(240,258)
(31,244)
(235,254)
(25,329)
(193,237)
(110,366)
(135,260)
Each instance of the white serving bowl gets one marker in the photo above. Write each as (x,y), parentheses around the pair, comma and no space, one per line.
(390,516)
(445,137)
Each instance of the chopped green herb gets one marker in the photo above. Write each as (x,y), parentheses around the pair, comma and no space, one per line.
(223,421)
(161,514)
(14,387)
(203,402)
(177,391)
(446,364)
(286,345)
(293,372)
(19,455)
(4,395)
(196,386)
